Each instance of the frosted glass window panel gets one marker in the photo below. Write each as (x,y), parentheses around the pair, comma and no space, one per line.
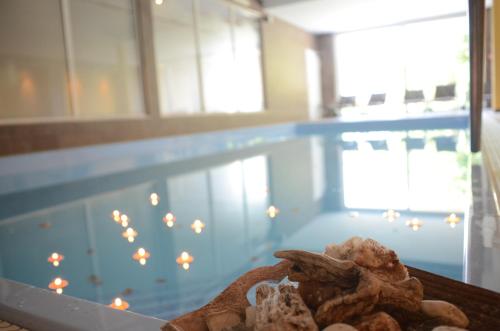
(217,56)
(32,63)
(105,59)
(249,88)
(176,63)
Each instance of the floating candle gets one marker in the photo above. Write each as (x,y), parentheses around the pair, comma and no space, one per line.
(55,259)
(124,220)
(272,211)
(116,215)
(391,215)
(414,223)
(154,199)
(452,220)
(197,226)
(58,284)
(141,255)
(119,303)
(184,260)
(169,219)
(129,234)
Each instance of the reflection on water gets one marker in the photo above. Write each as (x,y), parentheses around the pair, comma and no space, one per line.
(191,227)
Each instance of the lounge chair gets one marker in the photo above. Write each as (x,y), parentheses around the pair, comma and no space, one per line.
(377,99)
(347,102)
(445,92)
(413,96)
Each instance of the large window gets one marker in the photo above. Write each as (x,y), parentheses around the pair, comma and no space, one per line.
(208,57)
(83,58)
(414,57)
(68,58)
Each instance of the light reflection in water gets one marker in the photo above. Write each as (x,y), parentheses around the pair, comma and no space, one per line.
(229,193)
(353,214)
(415,224)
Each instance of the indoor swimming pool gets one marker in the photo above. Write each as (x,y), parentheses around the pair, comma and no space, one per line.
(166,224)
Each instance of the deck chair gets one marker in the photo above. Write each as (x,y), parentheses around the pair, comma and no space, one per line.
(446,143)
(445,92)
(347,102)
(414,143)
(349,145)
(412,96)
(377,99)
(378,145)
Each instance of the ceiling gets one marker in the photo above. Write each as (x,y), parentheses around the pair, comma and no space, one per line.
(324,16)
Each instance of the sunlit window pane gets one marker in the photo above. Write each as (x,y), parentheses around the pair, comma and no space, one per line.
(104,58)
(176,57)
(217,56)
(249,97)
(370,62)
(32,64)
(415,56)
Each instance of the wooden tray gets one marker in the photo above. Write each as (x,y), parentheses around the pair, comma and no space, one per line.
(481,306)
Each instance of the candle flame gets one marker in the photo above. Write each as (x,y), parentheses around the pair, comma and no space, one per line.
(272,211)
(184,260)
(169,219)
(415,224)
(141,255)
(391,215)
(119,303)
(154,199)
(197,226)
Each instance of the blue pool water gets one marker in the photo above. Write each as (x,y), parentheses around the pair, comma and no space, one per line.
(329,181)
